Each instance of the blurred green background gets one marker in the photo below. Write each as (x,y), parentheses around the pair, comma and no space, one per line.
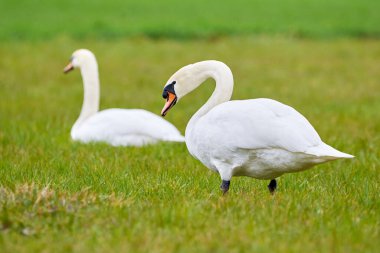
(321,57)
(40,19)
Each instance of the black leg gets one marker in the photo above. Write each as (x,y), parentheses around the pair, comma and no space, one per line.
(225,186)
(272,186)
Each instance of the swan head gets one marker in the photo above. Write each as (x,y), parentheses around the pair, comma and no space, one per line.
(181,83)
(79,59)
(191,76)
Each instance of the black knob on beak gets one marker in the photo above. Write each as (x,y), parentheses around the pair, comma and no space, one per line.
(167,89)
(165,94)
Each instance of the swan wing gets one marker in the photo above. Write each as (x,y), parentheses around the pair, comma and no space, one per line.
(126,126)
(257,124)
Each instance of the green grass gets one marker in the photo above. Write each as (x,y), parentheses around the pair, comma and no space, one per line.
(38,19)
(60,196)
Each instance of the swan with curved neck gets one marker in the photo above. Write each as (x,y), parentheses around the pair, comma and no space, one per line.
(118,127)
(259,138)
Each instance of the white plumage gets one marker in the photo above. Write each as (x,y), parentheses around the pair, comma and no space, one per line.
(260,138)
(118,127)
(121,127)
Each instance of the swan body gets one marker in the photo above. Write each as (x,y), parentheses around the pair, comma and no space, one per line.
(118,127)
(260,138)
(121,127)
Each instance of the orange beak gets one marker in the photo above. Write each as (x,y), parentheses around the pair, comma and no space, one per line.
(68,68)
(170,102)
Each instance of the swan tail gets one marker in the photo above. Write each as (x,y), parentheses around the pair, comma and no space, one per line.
(327,152)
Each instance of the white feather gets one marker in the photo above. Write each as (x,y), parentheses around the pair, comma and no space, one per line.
(121,127)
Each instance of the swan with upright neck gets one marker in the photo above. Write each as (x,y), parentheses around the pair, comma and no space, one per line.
(118,127)
(260,138)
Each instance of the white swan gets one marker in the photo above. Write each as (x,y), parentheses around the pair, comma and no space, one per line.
(259,138)
(118,127)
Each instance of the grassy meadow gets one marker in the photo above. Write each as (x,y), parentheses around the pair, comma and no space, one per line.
(41,19)
(57,195)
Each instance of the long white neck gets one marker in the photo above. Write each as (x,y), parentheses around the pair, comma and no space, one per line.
(90,106)
(224,83)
